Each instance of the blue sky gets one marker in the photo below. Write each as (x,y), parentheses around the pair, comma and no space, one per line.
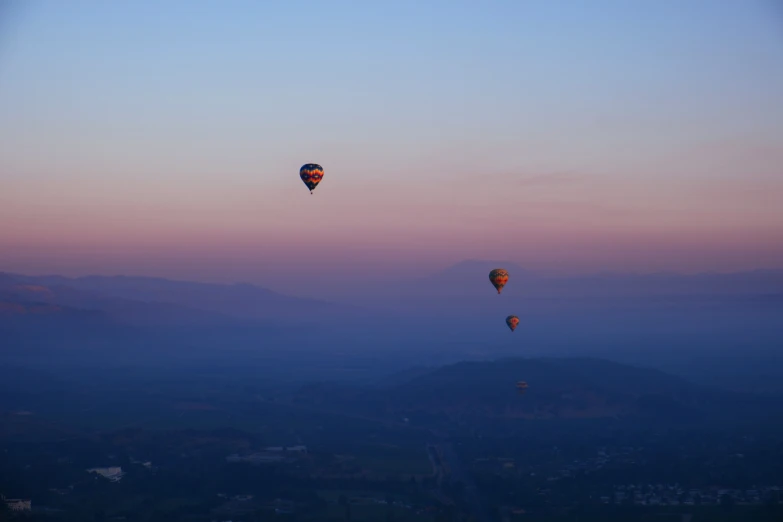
(177,128)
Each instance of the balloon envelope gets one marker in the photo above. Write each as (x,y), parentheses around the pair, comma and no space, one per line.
(498,277)
(311,175)
(512,321)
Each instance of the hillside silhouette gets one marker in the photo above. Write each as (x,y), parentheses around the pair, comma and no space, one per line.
(574,388)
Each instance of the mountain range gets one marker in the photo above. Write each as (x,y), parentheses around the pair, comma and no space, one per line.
(684,323)
(469,279)
(459,287)
(158,300)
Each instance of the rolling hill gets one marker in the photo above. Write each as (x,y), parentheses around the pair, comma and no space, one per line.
(574,388)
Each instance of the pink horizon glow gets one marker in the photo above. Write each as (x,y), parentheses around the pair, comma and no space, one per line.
(657,146)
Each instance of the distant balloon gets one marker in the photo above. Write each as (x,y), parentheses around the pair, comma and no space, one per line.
(512,321)
(311,175)
(521,386)
(498,277)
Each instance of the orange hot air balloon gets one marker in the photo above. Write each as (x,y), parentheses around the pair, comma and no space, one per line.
(512,321)
(498,277)
(311,175)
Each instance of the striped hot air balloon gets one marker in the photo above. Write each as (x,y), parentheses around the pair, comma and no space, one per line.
(512,321)
(311,175)
(498,277)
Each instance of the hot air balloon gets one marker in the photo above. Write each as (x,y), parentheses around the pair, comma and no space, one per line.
(521,386)
(311,175)
(512,321)
(498,277)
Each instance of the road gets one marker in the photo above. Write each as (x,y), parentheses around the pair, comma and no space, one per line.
(460,474)
(458,471)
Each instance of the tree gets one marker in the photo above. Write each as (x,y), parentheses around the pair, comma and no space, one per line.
(389,508)
(727,502)
(343,501)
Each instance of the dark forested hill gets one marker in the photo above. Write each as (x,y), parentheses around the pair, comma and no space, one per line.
(558,389)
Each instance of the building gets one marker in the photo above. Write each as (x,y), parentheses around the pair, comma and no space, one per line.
(17,504)
(298,449)
(255,458)
(113,474)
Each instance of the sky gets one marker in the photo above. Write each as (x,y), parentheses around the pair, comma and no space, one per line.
(165,138)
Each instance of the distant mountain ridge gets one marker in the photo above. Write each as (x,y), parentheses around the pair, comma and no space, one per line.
(105,318)
(472,275)
(160,300)
(463,295)
(663,320)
